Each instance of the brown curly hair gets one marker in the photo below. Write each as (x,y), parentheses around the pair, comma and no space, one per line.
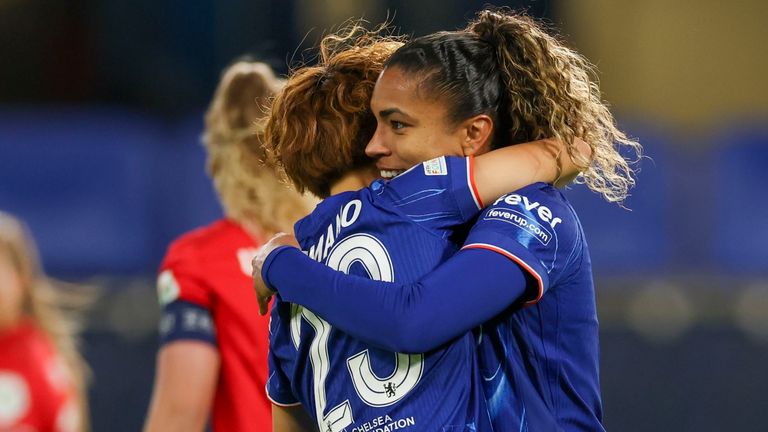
(321,121)
(250,187)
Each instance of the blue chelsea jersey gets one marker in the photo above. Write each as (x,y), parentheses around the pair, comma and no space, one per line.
(540,362)
(391,231)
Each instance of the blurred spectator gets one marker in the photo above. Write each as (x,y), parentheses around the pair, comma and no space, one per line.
(42,375)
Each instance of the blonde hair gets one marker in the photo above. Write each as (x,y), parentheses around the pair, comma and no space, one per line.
(249,186)
(321,122)
(45,306)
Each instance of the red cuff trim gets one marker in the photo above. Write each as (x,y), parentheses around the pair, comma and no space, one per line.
(518,261)
(471,182)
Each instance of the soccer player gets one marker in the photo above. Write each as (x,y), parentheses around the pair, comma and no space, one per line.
(526,255)
(213,355)
(42,376)
(319,125)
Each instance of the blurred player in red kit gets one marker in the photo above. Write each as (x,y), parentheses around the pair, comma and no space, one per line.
(42,385)
(213,355)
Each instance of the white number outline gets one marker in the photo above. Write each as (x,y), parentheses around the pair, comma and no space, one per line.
(340,416)
(371,389)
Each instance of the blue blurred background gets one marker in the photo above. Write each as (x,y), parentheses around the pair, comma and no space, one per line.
(101,113)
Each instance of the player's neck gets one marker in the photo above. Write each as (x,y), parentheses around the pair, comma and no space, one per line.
(354,180)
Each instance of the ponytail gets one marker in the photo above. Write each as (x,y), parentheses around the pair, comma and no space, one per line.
(520,76)
(249,186)
(506,66)
(553,92)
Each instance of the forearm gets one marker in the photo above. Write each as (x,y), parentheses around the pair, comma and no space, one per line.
(165,416)
(402,317)
(184,386)
(513,167)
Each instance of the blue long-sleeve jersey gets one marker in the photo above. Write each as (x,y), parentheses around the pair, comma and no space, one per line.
(525,273)
(397,232)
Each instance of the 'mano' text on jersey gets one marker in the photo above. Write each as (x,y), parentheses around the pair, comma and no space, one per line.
(395,231)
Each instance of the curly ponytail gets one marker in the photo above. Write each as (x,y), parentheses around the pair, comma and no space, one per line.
(506,66)
(553,89)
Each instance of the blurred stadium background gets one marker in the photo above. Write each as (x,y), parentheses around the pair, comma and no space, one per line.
(100,116)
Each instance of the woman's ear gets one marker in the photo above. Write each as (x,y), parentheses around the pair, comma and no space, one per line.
(479,134)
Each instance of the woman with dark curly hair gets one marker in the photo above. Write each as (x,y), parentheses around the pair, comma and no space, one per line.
(524,270)
(318,129)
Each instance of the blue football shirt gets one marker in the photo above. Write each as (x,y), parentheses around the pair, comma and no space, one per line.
(390,231)
(540,363)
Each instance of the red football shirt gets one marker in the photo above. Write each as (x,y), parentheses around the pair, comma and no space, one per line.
(211,267)
(36,392)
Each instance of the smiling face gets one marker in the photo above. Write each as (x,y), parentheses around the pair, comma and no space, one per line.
(410,128)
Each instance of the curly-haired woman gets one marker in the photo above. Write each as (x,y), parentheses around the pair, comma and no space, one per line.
(318,127)
(524,270)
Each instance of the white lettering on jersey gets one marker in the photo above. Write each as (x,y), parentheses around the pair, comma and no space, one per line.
(514,217)
(339,417)
(543,212)
(385,423)
(347,216)
(369,252)
(375,391)
(381,392)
